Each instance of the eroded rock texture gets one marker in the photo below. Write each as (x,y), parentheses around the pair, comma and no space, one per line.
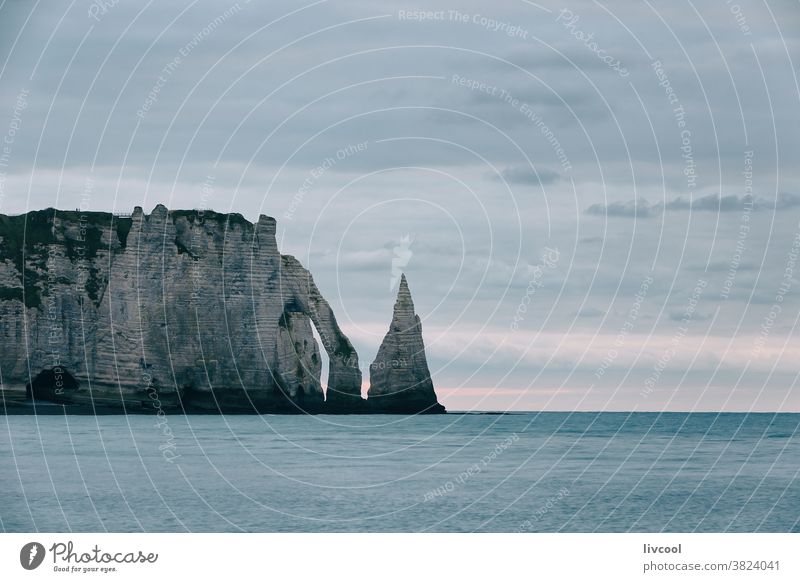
(400,381)
(176,310)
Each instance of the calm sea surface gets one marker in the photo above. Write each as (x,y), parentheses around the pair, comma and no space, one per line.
(515,472)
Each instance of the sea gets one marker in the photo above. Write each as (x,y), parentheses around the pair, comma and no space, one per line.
(511,472)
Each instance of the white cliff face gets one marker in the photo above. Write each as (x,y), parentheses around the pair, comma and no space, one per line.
(187,308)
(400,381)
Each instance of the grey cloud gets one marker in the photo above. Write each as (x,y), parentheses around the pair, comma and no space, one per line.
(786,201)
(568,58)
(724,267)
(641,208)
(712,203)
(590,312)
(696,316)
(527,175)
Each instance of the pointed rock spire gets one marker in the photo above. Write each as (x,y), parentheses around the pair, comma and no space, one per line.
(400,381)
(404,317)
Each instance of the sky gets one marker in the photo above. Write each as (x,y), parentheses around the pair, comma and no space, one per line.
(596,204)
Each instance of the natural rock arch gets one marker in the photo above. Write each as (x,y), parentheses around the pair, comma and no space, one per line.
(304,299)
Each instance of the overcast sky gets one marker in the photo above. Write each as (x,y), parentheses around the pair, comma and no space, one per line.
(597,205)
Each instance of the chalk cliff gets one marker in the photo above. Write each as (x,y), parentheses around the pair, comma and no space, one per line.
(400,381)
(181,310)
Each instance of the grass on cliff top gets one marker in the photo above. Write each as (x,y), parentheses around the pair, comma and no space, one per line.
(26,237)
(24,233)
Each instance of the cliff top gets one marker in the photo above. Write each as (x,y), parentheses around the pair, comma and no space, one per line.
(39,216)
